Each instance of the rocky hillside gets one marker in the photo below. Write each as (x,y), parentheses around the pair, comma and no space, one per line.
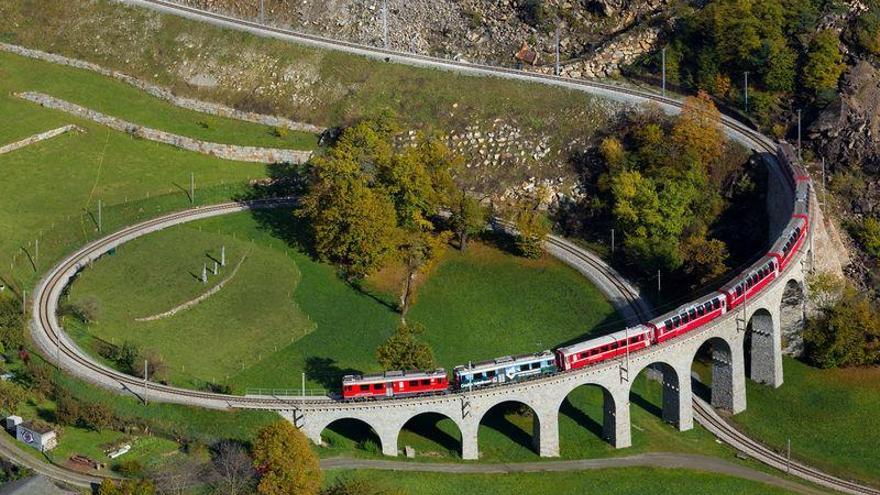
(481,30)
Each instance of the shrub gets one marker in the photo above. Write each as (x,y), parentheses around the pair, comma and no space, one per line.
(868,235)
(356,486)
(129,467)
(532,229)
(157,368)
(87,309)
(11,336)
(533,12)
(280,132)
(866,29)
(11,396)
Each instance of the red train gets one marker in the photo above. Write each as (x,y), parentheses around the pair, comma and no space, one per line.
(394,384)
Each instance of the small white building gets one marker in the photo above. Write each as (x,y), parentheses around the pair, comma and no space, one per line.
(12,422)
(39,437)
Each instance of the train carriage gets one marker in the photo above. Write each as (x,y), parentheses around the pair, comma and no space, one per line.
(789,242)
(749,283)
(690,316)
(394,384)
(602,348)
(504,369)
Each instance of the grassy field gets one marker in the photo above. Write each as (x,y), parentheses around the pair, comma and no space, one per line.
(828,414)
(606,481)
(294,314)
(49,190)
(122,100)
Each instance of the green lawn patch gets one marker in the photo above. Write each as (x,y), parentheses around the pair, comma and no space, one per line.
(292,314)
(828,414)
(605,481)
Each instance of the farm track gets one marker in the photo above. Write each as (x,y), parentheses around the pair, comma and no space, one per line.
(50,337)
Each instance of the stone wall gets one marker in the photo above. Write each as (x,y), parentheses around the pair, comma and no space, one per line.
(610,57)
(219,150)
(159,92)
(38,137)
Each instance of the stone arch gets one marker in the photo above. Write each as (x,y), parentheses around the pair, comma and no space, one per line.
(675,398)
(723,385)
(350,430)
(763,345)
(594,409)
(434,427)
(792,318)
(506,418)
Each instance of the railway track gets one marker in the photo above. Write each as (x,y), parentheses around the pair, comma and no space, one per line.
(52,337)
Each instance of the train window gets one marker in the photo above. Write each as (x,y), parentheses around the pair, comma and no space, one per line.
(426,382)
(701,310)
(685,318)
(536,365)
(716,304)
(668,324)
(379,386)
(739,290)
(413,383)
(676,320)
(584,354)
(364,388)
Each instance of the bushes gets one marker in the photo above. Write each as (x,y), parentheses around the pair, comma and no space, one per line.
(868,235)
(533,12)
(11,396)
(846,329)
(866,29)
(285,461)
(86,310)
(824,63)
(90,415)
(11,336)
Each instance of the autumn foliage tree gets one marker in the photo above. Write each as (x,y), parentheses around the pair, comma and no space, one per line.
(285,462)
(468,218)
(405,351)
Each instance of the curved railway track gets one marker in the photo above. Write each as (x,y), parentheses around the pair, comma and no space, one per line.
(51,338)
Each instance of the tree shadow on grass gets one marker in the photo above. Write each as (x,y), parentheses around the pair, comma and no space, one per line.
(581,418)
(427,426)
(325,371)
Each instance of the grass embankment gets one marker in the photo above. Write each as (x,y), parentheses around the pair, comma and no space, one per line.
(606,481)
(321,87)
(118,99)
(830,416)
(293,314)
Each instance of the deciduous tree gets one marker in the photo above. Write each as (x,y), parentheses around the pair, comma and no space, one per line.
(824,62)
(468,218)
(286,463)
(404,351)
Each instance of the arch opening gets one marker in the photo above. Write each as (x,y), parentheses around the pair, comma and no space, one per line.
(431,434)
(712,373)
(792,318)
(763,348)
(657,390)
(587,418)
(348,433)
(509,430)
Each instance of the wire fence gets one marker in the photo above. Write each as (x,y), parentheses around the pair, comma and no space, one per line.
(21,268)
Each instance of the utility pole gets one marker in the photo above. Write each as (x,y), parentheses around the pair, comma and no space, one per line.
(824,185)
(612,241)
(557,47)
(304,384)
(37,251)
(262,12)
(658,282)
(222,255)
(146,363)
(385,23)
(192,187)
(800,155)
(204,273)
(24,301)
(100,223)
(215,268)
(746,89)
(663,58)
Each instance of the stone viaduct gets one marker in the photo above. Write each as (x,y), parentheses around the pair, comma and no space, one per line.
(743,343)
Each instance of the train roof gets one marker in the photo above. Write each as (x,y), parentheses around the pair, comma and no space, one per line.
(729,286)
(786,234)
(393,375)
(504,361)
(605,339)
(684,307)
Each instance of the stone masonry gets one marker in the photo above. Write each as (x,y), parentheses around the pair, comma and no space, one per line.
(36,138)
(219,150)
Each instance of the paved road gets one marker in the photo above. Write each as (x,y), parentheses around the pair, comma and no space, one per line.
(669,460)
(12,450)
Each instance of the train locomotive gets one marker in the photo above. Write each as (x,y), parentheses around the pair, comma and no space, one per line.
(684,319)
